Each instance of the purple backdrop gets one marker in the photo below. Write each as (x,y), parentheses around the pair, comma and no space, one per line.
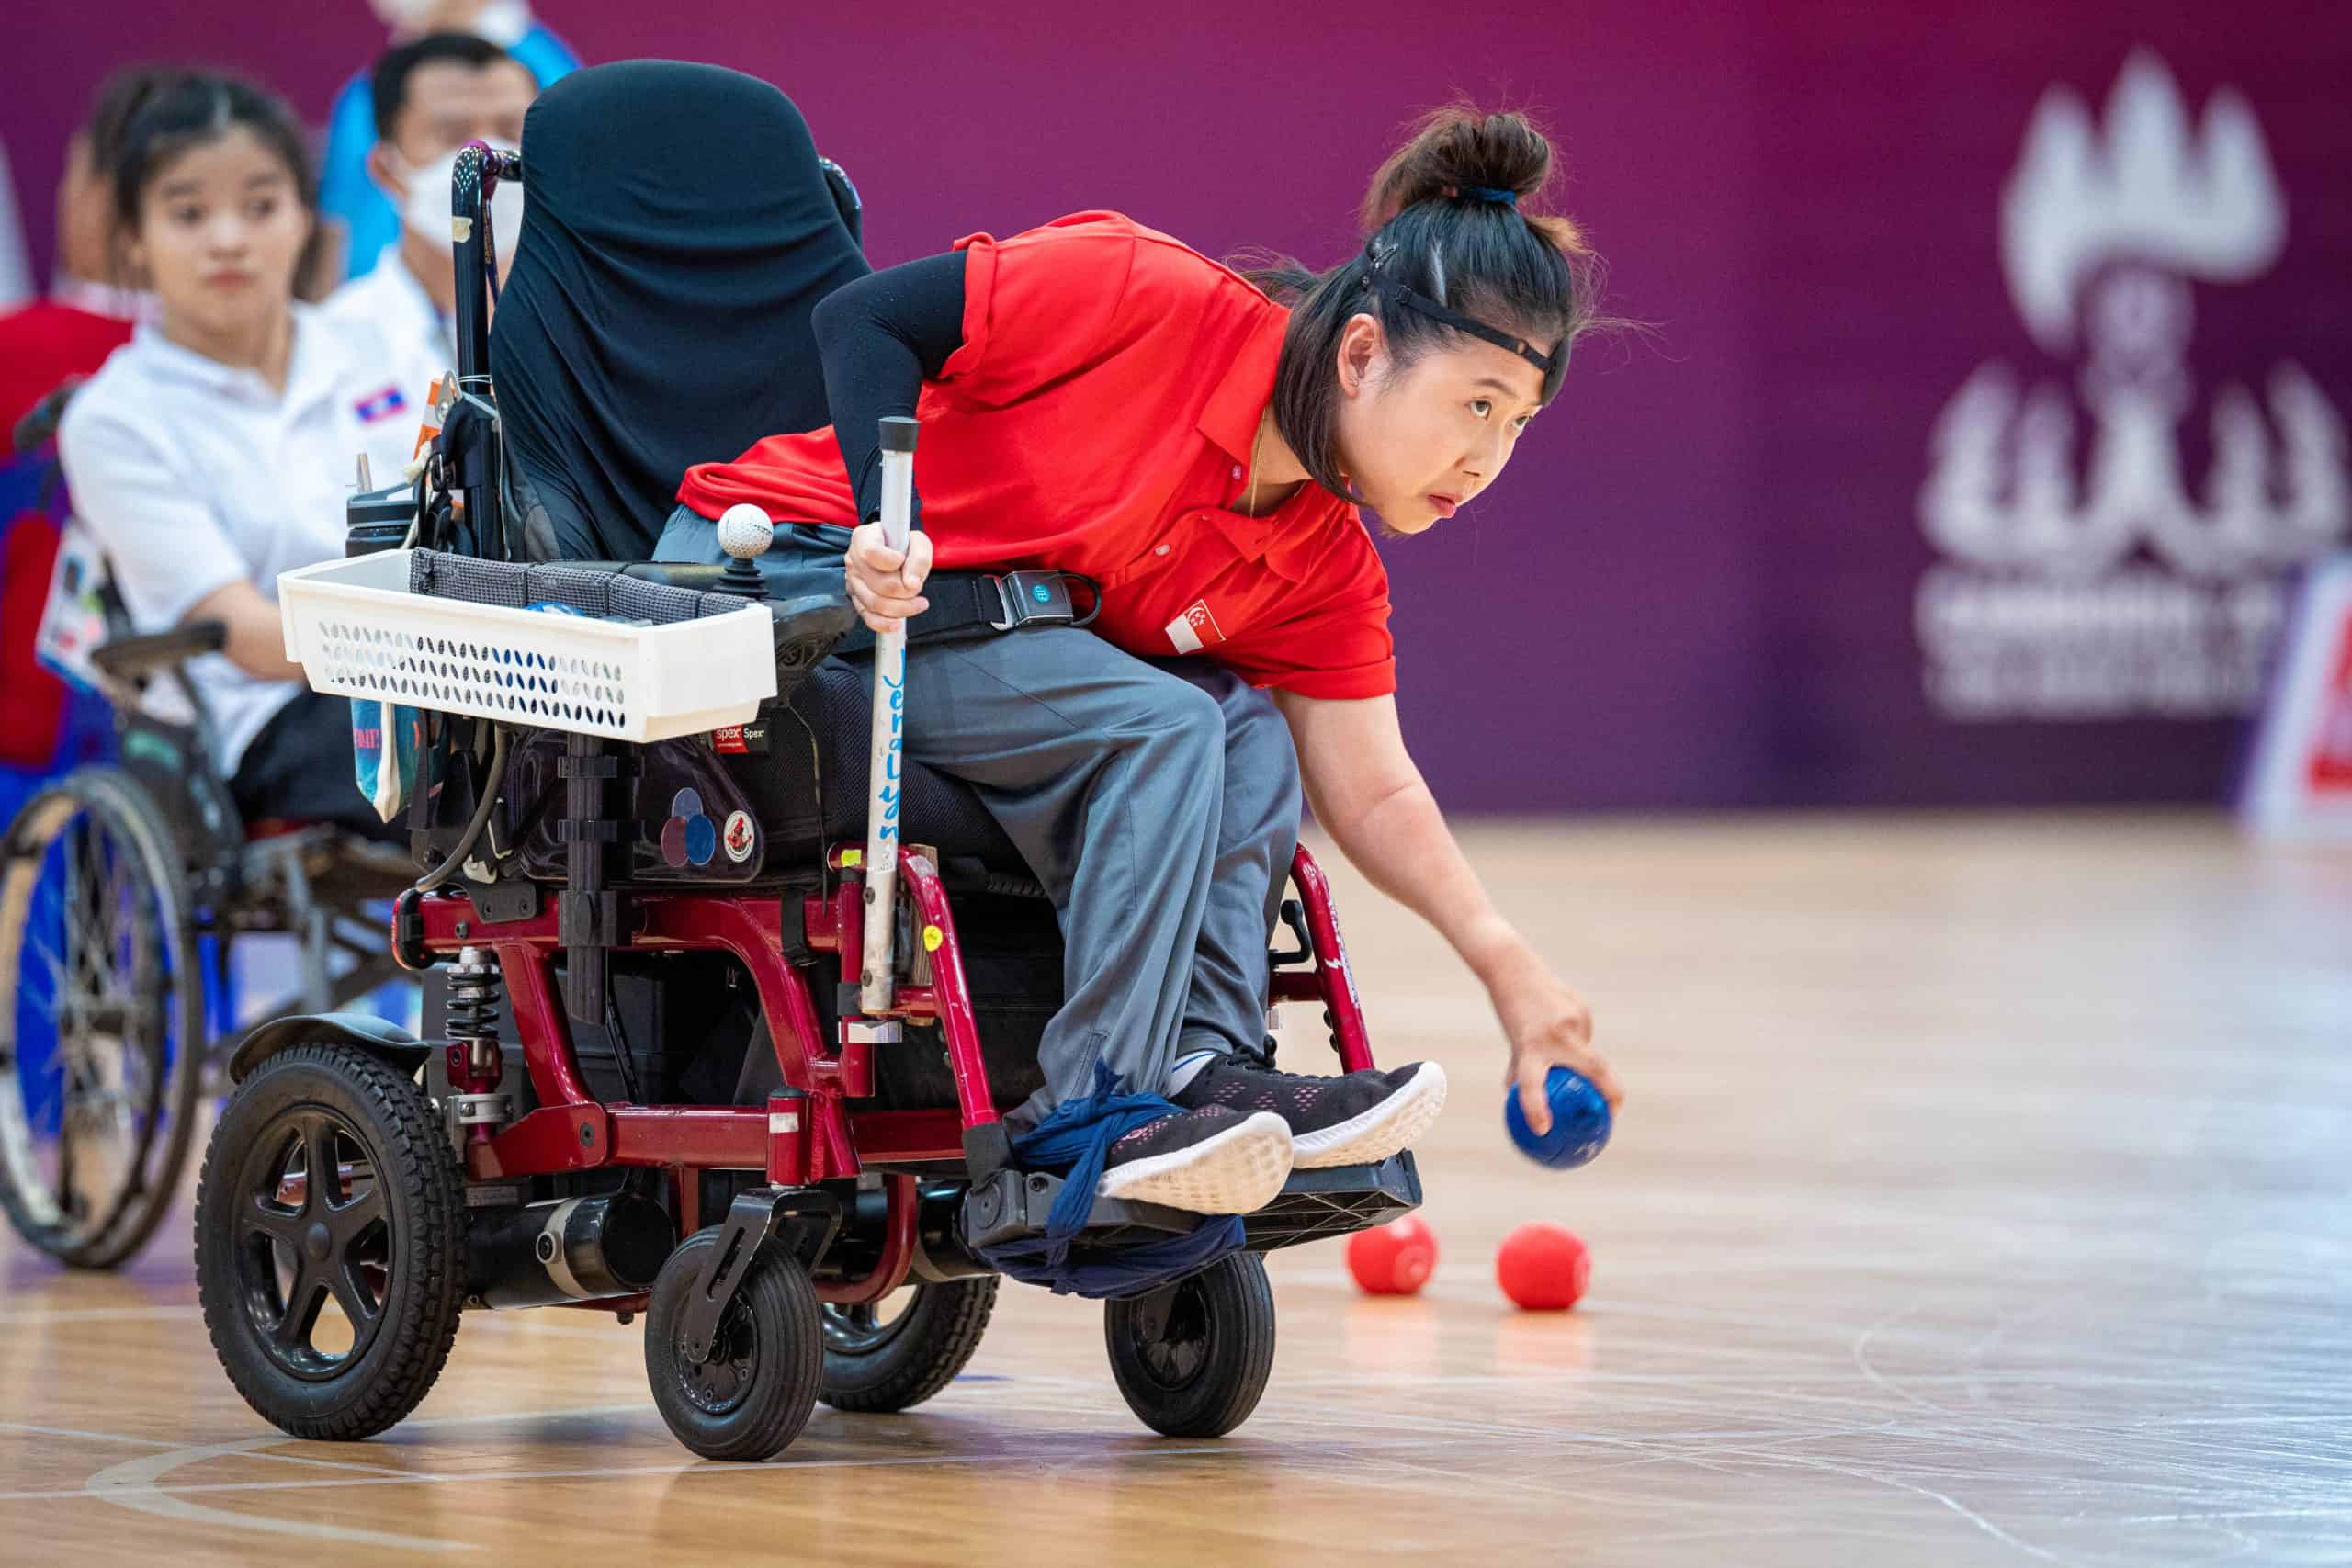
(1701,583)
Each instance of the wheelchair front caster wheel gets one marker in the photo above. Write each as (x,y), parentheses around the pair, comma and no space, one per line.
(1193,1358)
(754,1394)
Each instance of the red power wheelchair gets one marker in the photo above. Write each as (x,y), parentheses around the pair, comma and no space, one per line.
(648,1085)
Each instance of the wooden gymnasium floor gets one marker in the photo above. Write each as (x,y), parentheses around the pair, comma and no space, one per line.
(1982,1200)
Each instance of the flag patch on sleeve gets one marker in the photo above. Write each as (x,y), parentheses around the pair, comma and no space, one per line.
(380,405)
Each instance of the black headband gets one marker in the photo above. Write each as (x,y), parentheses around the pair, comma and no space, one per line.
(1412,298)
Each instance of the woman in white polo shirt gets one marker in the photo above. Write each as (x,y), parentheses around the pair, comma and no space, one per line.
(215,450)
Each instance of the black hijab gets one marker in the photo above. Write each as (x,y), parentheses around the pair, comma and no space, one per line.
(678,232)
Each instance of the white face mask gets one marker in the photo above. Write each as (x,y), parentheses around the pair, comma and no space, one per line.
(426,211)
(404,15)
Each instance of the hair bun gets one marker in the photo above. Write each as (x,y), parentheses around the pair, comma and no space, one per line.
(1456,148)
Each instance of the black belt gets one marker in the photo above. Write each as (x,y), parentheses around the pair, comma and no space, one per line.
(976,604)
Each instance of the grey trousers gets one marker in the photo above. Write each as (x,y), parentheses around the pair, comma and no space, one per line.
(1157,801)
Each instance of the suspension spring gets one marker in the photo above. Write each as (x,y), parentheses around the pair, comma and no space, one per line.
(475,997)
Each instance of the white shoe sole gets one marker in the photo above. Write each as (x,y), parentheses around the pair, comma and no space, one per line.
(1397,1123)
(1236,1172)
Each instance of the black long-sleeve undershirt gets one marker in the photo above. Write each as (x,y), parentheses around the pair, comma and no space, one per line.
(879,339)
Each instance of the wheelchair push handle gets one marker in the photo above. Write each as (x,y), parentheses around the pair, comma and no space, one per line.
(876,988)
(475,179)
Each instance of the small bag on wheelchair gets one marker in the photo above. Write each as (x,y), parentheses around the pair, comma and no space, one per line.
(386,740)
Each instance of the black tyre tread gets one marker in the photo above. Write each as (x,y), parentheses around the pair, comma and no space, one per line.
(1242,1300)
(139,1210)
(431,1190)
(930,1350)
(790,1328)
(137,1221)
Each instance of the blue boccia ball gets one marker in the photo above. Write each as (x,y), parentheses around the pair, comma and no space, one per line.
(552,607)
(1579,1122)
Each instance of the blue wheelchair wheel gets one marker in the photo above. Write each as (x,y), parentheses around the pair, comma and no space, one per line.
(102,1030)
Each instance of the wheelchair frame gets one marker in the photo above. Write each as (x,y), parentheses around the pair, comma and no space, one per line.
(571,1131)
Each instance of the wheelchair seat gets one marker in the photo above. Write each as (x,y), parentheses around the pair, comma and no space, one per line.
(937,809)
(798,769)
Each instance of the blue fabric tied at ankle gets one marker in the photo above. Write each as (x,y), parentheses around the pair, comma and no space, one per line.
(1074,1143)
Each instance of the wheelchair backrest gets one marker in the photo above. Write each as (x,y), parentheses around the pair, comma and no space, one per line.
(679,232)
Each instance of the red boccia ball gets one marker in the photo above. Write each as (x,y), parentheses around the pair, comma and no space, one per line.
(1394,1260)
(1543,1268)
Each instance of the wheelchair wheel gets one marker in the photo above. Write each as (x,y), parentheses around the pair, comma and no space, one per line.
(899,1351)
(751,1399)
(330,1242)
(1193,1358)
(102,1024)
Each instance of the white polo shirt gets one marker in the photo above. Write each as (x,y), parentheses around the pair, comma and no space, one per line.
(391,299)
(192,474)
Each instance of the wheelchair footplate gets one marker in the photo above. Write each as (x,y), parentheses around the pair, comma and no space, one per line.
(1313,1205)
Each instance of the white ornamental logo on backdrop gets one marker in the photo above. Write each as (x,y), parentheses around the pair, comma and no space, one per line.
(2104,581)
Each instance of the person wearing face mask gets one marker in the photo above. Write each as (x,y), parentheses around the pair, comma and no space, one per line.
(351,198)
(432,96)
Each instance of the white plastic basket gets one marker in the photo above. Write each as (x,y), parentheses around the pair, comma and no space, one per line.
(357,631)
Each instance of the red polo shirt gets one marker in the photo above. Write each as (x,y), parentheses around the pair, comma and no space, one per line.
(1098,419)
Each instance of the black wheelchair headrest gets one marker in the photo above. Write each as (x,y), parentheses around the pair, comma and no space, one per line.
(679,231)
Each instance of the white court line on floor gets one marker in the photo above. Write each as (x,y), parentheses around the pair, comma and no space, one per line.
(133,1485)
(92,1436)
(96,1315)
(1084,1449)
(166,1443)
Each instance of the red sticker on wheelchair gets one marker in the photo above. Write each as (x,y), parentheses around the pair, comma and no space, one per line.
(1196,629)
(739,836)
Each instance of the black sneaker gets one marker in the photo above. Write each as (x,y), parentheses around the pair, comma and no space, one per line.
(1208,1161)
(1352,1119)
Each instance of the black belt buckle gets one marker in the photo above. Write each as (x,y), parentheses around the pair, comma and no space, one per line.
(1032,596)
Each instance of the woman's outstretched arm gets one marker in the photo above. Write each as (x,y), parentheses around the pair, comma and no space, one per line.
(1371,798)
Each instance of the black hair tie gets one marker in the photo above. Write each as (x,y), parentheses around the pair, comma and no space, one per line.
(1413,299)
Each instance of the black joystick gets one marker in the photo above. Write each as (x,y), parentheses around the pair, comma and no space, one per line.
(745,534)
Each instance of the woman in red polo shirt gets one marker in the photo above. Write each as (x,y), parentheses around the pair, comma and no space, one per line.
(1100,399)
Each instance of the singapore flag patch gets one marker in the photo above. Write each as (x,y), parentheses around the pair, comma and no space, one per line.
(1195,629)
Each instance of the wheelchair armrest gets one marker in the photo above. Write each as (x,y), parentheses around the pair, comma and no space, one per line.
(695,575)
(128,658)
(806,630)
